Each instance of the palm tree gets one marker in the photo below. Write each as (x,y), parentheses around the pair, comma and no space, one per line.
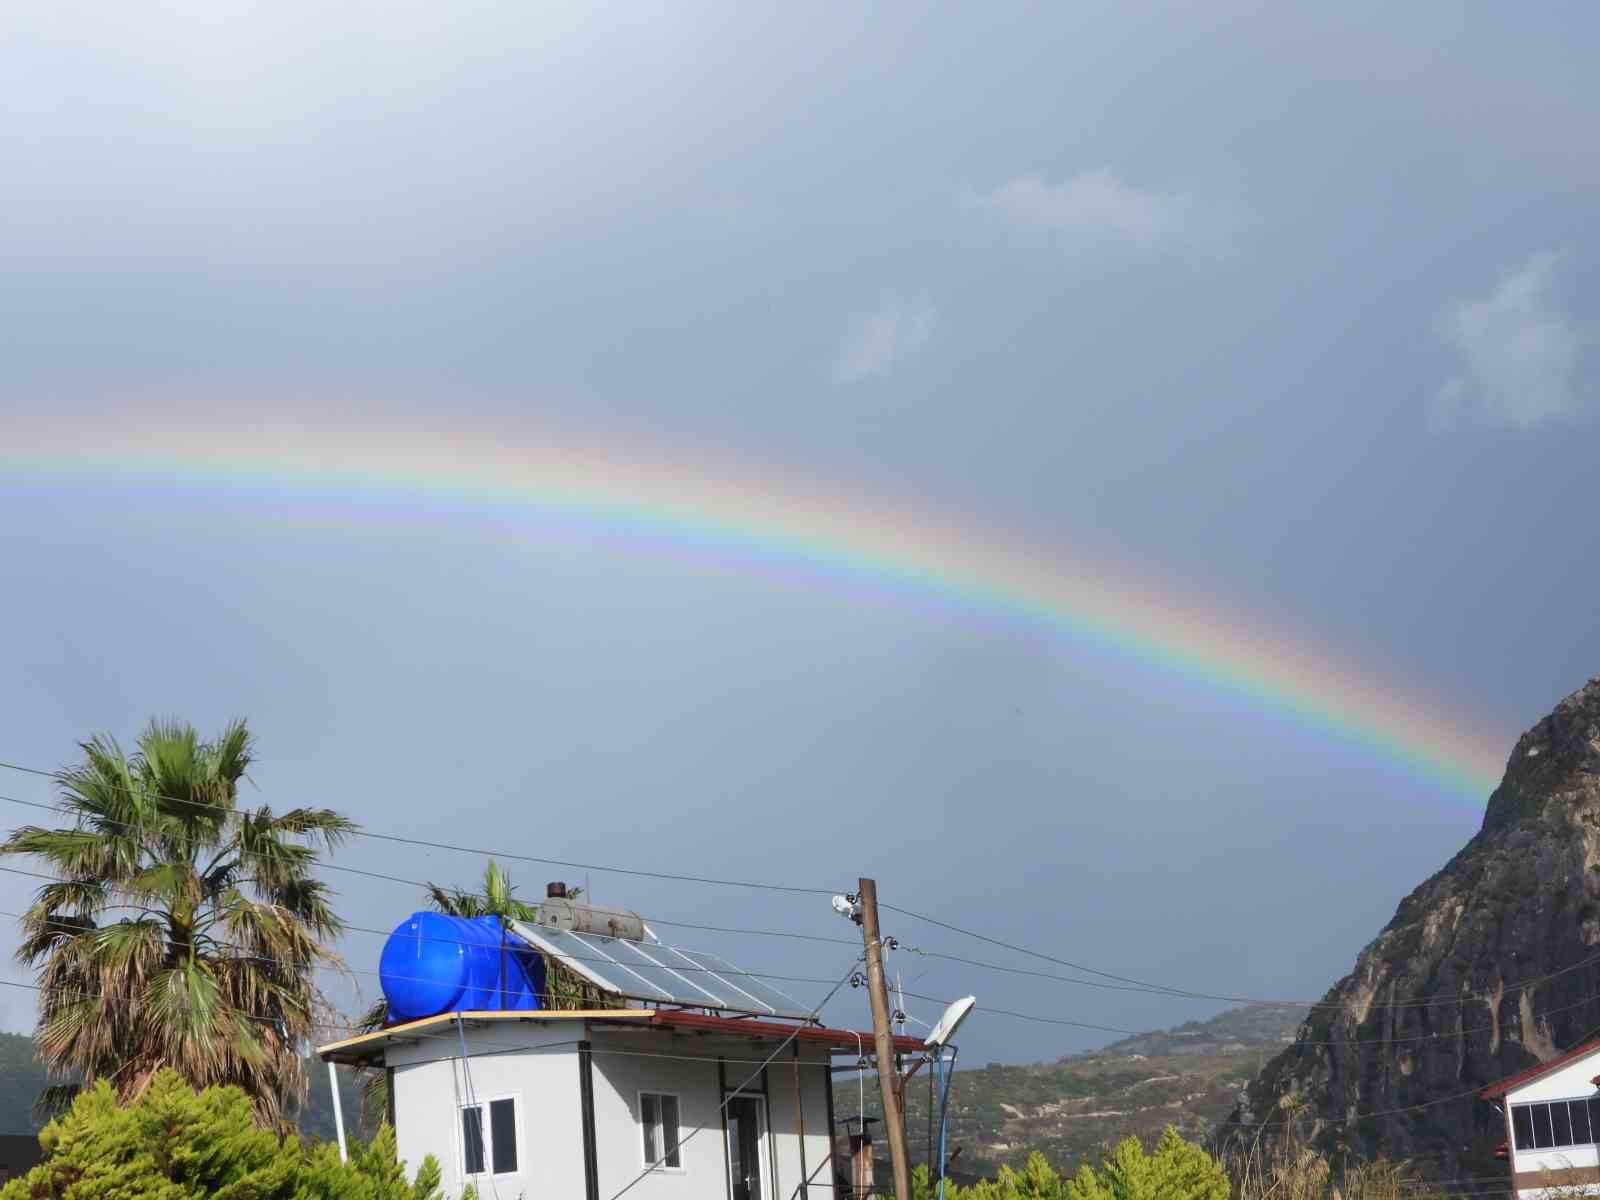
(497,899)
(209,969)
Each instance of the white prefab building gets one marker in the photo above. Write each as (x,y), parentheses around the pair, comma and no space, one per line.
(706,1086)
(1552,1122)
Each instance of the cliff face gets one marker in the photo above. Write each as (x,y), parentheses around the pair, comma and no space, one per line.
(1490,966)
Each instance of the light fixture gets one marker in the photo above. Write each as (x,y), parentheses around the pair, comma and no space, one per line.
(950,1021)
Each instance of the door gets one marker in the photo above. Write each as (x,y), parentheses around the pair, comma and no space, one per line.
(745,1133)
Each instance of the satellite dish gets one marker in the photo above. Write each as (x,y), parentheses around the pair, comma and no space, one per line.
(950,1022)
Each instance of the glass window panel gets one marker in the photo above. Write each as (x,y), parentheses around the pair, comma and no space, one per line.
(647,1121)
(1561,1124)
(1522,1126)
(472,1139)
(1594,1119)
(669,1129)
(503,1135)
(1580,1122)
(1542,1137)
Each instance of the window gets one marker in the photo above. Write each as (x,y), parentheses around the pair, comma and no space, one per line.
(658,1120)
(490,1148)
(1555,1124)
(1522,1125)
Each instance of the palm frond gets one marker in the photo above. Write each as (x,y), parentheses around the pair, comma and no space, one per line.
(205,979)
(317,824)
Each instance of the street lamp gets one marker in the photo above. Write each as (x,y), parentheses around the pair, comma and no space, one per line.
(938,1038)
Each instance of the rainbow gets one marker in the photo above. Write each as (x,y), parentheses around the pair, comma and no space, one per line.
(763,518)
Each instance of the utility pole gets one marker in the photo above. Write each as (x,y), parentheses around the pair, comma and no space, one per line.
(894,1118)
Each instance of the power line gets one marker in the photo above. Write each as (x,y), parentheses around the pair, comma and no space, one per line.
(398,839)
(1358,1116)
(422,885)
(1117,982)
(1379,1041)
(1162,989)
(73,927)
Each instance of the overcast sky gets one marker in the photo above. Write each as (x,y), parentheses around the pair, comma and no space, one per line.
(1292,304)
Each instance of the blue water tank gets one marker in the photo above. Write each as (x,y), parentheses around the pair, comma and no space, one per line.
(433,963)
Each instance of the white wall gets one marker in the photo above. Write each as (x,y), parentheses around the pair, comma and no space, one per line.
(539,1064)
(627,1062)
(1572,1081)
(814,1106)
(540,1069)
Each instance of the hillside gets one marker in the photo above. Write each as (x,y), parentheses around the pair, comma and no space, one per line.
(22,1078)
(1488,967)
(1189,1076)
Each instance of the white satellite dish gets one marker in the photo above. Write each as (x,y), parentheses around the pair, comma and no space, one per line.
(950,1022)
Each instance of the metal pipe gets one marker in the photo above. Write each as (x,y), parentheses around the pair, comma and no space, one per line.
(338,1111)
(944,1109)
(800,1124)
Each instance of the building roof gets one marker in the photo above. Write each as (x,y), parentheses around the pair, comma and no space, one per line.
(1496,1090)
(364,1048)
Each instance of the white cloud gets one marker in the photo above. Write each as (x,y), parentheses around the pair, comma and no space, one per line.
(1519,356)
(884,338)
(1095,203)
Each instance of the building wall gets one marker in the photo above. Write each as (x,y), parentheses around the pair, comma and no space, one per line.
(1569,1167)
(539,1064)
(813,1106)
(536,1063)
(628,1062)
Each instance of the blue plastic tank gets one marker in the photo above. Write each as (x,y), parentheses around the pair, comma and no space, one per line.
(433,963)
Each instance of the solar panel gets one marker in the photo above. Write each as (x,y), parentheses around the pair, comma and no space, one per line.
(660,974)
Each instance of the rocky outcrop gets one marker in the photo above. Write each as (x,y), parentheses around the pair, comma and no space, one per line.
(1490,966)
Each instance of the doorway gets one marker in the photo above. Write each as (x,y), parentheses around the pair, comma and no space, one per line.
(747,1131)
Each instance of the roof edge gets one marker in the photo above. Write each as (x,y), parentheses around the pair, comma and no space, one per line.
(1511,1082)
(331,1051)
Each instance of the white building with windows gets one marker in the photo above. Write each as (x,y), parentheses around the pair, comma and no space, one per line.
(703,1082)
(1552,1122)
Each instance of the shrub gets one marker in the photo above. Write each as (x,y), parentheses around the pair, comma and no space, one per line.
(1175,1170)
(174,1143)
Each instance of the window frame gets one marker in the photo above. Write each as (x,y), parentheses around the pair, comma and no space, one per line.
(1532,1110)
(486,1126)
(638,1114)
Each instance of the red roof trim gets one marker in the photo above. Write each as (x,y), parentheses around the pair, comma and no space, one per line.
(838,1039)
(1495,1090)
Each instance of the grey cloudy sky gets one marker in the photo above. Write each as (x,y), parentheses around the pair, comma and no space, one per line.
(1294,304)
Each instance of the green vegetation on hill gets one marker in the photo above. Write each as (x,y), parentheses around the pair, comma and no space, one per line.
(22,1078)
(1077,1108)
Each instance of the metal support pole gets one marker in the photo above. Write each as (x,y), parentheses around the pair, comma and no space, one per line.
(338,1111)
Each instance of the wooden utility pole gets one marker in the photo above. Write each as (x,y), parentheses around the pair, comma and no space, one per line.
(894,1118)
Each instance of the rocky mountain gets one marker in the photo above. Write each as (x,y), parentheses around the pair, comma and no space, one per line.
(1490,966)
